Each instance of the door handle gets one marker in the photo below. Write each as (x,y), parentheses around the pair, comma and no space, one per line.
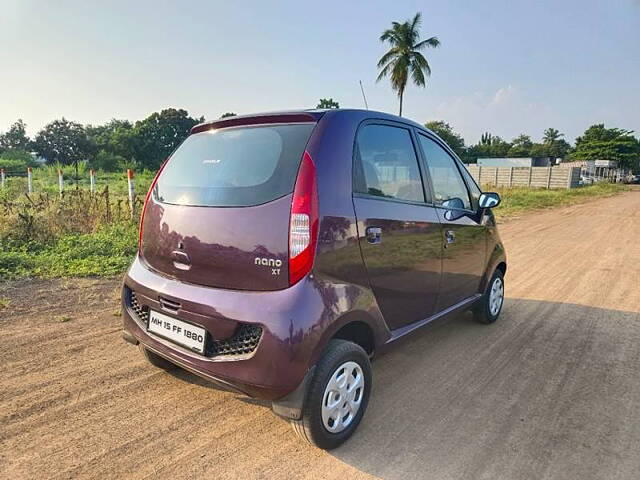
(450,237)
(374,235)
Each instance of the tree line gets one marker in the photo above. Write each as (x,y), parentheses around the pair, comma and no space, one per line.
(116,145)
(144,144)
(596,143)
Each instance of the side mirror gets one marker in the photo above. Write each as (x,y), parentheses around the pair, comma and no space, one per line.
(489,200)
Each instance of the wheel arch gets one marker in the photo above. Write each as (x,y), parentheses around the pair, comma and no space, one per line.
(357,326)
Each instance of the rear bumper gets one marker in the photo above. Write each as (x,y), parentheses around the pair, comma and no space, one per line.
(285,350)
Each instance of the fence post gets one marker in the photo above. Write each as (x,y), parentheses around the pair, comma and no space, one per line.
(497,170)
(132,193)
(107,204)
(92,180)
(549,179)
(60,182)
(530,174)
(29,180)
(1,177)
(510,176)
(480,175)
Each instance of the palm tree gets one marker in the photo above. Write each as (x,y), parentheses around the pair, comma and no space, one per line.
(404,57)
(551,135)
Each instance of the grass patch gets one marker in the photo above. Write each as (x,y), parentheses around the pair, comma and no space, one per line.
(108,251)
(516,201)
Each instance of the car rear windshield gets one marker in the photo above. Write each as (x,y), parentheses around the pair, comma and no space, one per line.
(234,167)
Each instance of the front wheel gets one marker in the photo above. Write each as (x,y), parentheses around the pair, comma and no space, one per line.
(337,397)
(490,305)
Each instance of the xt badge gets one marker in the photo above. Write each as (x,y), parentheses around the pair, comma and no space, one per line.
(275,264)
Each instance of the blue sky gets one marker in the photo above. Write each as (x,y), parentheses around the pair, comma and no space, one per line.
(504,66)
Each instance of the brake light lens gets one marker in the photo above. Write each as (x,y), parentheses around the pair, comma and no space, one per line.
(146,201)
(303,224)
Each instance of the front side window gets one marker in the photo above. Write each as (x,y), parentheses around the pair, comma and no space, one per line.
(386,164)
(449,189)
(474,190)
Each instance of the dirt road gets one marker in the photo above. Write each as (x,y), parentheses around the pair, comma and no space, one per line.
(550,391)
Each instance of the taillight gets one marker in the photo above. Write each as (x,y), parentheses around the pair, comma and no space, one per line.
(303,224)
(146,200)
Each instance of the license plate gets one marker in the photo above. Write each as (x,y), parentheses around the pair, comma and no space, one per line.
(182,333)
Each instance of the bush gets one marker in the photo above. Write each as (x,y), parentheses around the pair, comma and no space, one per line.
(14,160)
(107,162)
(11,165)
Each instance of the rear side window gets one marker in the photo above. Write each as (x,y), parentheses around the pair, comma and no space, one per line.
(234,167)
(386,164)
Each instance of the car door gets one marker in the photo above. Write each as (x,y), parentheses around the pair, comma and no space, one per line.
(464,236)
(399,233)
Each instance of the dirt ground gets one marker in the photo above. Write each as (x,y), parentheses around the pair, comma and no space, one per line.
(550,391)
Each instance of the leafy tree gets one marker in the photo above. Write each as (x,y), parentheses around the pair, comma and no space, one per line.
(16,137)
(558,149)
(446,133)
(328,103)
(551,135)
(600,143)
(489,146)
(159,134)
(553,145)
(228,114)
(114,137)
(520,146)
(486,138)
(63,141)
(404,57)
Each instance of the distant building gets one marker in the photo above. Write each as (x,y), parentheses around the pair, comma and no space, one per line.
(595,170)
(517,162)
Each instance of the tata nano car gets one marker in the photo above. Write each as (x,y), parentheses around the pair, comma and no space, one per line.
(279,252)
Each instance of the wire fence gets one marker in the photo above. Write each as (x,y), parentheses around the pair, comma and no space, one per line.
(38,187)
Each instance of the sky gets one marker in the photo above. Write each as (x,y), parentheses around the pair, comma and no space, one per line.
(507,67)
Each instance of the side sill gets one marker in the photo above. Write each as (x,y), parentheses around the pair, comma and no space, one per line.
(402,331)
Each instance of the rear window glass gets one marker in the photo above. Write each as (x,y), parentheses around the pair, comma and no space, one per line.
(234,167)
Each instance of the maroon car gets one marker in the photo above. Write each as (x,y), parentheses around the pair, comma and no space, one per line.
(279,252)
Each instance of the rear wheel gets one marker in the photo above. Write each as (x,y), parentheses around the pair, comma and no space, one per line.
(337,397)
(490,306)
(156,360)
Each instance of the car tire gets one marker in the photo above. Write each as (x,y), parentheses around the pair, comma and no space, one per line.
(156,360)
(342,378)
(490,305)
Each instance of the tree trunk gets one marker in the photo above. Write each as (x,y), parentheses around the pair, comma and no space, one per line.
(400,95)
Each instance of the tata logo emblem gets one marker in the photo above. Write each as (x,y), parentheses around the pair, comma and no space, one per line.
(274,263)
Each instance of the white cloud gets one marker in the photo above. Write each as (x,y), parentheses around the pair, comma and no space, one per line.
(503,95)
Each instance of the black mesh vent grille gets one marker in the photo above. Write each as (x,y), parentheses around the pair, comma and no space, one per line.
(244,341)
(141,312)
